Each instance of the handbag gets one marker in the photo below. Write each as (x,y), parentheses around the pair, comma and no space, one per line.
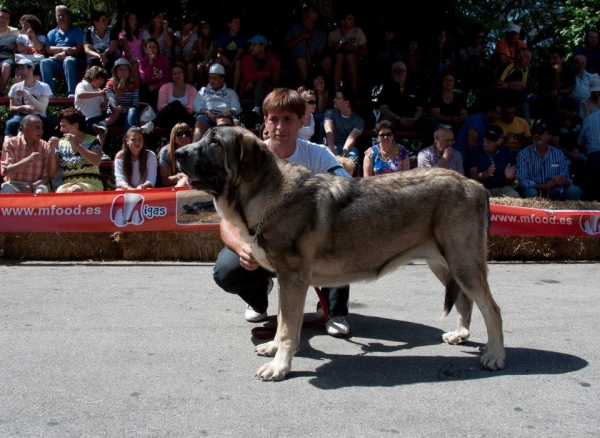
(148,114)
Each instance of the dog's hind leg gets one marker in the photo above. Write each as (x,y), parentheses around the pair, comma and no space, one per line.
(292,297)
(456,297)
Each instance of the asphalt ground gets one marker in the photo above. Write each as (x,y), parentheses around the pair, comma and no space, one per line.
(157,350)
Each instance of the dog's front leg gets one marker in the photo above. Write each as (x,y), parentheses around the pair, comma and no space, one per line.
(292,296)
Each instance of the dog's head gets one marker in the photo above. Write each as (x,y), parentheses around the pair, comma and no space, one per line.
(224,156)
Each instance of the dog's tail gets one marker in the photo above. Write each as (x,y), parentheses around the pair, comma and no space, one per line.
(452,291)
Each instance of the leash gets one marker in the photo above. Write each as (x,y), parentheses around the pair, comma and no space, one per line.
(269,332)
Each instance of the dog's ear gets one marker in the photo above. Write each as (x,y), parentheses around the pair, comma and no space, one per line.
(253,156)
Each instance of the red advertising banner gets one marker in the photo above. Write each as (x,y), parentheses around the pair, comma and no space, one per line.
(184,209)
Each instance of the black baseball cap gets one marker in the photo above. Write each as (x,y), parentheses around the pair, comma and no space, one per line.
(543,126)
(493,133)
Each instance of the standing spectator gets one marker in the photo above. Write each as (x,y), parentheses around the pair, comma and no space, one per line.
(493,165)
(25,159)
(543,170)
(349,44)
(583,80)
(516,129)
(386,51)
(135,165)
(206,48)
(511,81)
(471,132)
(28,96)
(442,57)
(260,73)
(181,135)
(74,160)
(343,126)
(441,153)
(212,100)
(386,156)
(557,80)
(159,30)
(123,96)
(507,47)
(64,47)
(474,65)
(591,104)
(415,66)
(185,47)
(93,101)
(155,71)
(589,140)
(448,107)
(176,100)
(130,39)
(590,50)
(231,45)
(307,44)
(31,42)
(101,42)
(8,45)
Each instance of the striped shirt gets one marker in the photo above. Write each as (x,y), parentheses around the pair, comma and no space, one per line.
(16,150)
(532,168)
(589,136)
(128,98)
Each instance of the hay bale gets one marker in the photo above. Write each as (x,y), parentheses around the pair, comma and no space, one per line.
(544,248)
(60,246)
(347,164)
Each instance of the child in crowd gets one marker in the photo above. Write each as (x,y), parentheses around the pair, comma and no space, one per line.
(206,48)
(185,47)
(31,42)
(123,96)
(131,40)
(135,166)
(159,29)
(93,101)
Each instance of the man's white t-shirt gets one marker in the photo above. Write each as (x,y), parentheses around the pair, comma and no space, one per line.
(38,90)
(89,107)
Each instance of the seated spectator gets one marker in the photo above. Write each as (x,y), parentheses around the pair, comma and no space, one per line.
(493,164)
(591,104)
(543,170)
(231,45)
(307,44)
(512,82)
(448,107)
(181,135)
(8,45)
(442,57)
(225,119)
(590,50)
(159,30)
(123,96)
(400,104)
(93,101)
(28,96)
(260,73)
(507,47)
(343,126)
(567,127)
(206,48)
(213,99)
(74,160)
(349,45)
(583,81)
(441,153)
(132,43)
(386,51)
(386,156)
(64,47)
(176,100)
(589,141)
(307,130)
(473,63)
(31,42)
(316,84)
(25,159)
(557,80)
(101,42)
(185,47)
(135,165)
(155,71)
(471,132)
(516,129)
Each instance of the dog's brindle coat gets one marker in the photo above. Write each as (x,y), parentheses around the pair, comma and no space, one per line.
(325,230)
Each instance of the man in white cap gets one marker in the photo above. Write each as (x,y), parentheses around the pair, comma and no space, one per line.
(28,96)
(507,47)
(212,100)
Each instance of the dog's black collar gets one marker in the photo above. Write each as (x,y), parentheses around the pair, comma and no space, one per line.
(259,226)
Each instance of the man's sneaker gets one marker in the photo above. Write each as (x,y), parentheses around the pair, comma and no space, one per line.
(337,326)
(71,96)
(106,157)
(148,127)
(252,315)
(99,129)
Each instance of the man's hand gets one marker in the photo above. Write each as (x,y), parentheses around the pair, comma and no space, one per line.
(510,171)
(490,171)
(561,181)
(34,157)
(53,142)
(448,152)
(247,260)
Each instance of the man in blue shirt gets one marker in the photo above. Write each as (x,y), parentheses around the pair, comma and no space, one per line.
(471,132)
(543,170)
(343,126)
(64,47)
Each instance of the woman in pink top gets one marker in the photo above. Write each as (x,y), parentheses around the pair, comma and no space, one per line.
(130,39)
(155,71)
(176,100)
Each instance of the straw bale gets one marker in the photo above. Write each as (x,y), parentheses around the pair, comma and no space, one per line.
(347,164)
(60,246)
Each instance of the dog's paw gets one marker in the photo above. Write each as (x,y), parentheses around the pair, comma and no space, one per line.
(272,372)
(267,349)
(456,337)
(492,361)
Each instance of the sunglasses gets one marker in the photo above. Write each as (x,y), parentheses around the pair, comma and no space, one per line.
(182,134)
(311,102)
(385,134)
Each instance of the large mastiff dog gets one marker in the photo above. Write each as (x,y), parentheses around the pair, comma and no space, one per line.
(325,230)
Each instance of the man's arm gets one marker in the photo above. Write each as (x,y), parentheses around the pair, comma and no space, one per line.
(472,137)
(232,238)
(328,126)
(350,141)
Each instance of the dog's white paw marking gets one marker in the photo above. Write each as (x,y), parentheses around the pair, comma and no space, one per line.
(267,349)
(456,337)
(492,361)
(272,372)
